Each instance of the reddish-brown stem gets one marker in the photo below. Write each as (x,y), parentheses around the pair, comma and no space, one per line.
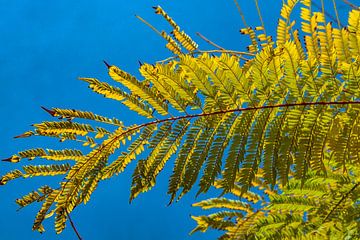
(350,4)
(74,227)
(239,110)
(341,200)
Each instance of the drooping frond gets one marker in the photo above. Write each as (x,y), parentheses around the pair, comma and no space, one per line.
(184,39)
(72,113)
(128,100)
(270,124)
(139,89)
(322,207)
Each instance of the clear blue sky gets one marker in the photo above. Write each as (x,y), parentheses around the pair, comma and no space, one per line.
(45,46)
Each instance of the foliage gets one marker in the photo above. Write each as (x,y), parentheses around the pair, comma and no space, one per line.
(283,112)
(324,207)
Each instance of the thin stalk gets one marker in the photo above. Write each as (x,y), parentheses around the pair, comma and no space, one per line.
(341,200)
(210,42)
(74,227)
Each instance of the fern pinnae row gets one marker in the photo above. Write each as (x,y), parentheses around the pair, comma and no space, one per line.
(217,149)
(343,198)
(254,148)
(73,113)
(182,160)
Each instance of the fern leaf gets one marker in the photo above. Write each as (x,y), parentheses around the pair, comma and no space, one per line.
(116,93)
(182,160)
(46,170)
(214,159)
(223,203)
(162,85)
(10,176)
(72,113)
(138,88)
(58,128)
(354,32)
(158,158)
(136,148)
(34,196)
(254,148)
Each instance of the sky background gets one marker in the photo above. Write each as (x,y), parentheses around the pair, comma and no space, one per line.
(45,46)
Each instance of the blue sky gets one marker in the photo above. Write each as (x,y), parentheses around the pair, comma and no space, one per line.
(45,46)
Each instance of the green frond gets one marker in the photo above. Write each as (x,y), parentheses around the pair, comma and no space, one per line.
(272,142)
(183,160)
(46,170)
(162,84)
(236,152)
(209,66)
(41,215)
(254,148)
(139,89)
(105,89)
(60,220)
(199,155)
(214,159)
(235,75)
(34,196)
(57,155)
(291,60)
(151,167)
(171,83)
(58,128)
(10,176)
(136,148)
(132,102)
(223,203)
(354,32)
(73,113)
(205,222)
(196,75)
(284,24)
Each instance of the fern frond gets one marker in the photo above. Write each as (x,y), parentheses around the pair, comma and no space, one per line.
(223,203)
(10,176)
(354,32)
(128,100)
(183,160)
(184,39)
(162,84)
(158,158)
(214,160)
(284,26)
(72,113)
(254,148)
(58,128)
(46,170)
(136,148)
(34,196)
(138,88)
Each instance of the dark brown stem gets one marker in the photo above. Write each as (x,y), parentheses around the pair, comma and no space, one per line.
(341,200)
(240,110)
(350,4)
(73,226)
